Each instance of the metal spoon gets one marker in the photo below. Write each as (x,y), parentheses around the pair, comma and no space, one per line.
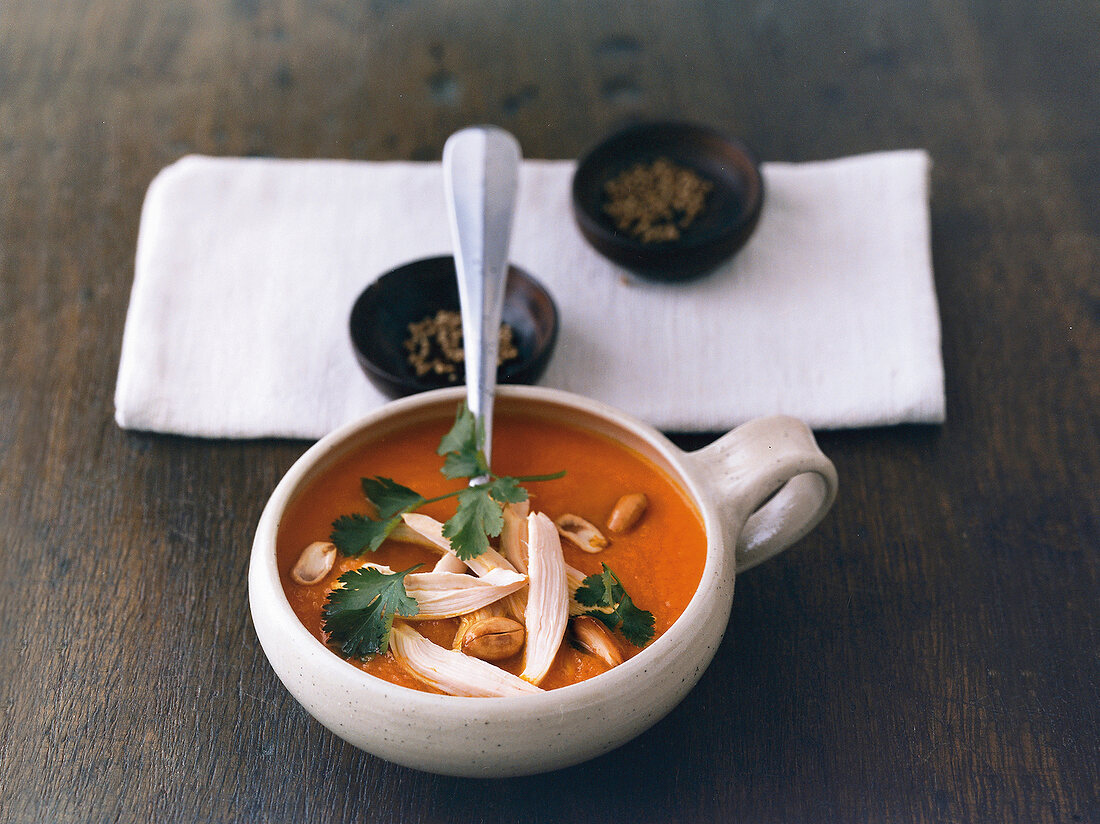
(480,174)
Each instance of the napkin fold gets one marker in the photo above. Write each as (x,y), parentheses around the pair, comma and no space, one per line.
(246,270)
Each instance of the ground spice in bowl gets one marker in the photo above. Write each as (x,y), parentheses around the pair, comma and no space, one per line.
(435,345)
(654,202)
(682,199)
(405,328)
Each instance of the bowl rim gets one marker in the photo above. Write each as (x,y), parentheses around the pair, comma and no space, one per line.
(411,383)
(703,607)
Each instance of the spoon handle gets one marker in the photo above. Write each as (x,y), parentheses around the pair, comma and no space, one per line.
(480,175)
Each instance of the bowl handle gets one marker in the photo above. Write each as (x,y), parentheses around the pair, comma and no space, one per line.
(771,483)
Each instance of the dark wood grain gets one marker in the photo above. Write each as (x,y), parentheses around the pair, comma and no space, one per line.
(931,653)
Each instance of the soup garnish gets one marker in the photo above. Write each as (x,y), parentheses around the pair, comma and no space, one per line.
(478,516)
(359,614)
(613,606)
(525,609)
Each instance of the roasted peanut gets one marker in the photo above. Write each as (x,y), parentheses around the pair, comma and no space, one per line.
(591,634)
(470,618)
(580,532)
(493,639)
(314,563)
(627,512)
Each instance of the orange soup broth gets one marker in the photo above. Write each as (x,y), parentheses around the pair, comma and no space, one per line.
(660,561)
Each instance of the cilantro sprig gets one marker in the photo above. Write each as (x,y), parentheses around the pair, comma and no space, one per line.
(359,615)
(478,516)
(614,607)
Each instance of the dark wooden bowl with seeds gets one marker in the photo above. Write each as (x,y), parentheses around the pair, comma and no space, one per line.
(669,201)
(406,330)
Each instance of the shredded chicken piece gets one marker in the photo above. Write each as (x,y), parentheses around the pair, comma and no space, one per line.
(513,545)
(548,597)
(450,594)
(513,537)
(448,562)
(432,530)
(574,579)
(404,532)
(451,671)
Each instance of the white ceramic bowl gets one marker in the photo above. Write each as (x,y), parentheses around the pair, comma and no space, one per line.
(729,480)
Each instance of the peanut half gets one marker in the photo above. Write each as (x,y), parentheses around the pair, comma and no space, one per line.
(314,563)
(592,635)
(628,510)
(493,639)
(581,533)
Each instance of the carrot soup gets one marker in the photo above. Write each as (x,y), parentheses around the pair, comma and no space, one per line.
(553,561)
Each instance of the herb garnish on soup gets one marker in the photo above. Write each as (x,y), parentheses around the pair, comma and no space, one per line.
(467,580)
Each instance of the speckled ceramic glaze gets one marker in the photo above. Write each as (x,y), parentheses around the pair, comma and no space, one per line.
(496,737)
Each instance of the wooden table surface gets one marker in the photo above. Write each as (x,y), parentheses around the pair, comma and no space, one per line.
(930,653)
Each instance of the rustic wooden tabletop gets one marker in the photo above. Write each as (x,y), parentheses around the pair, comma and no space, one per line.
(930,653)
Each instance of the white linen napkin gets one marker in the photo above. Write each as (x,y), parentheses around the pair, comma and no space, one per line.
(246,271)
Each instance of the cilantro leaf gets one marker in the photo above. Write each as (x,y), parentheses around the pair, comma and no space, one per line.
(389,497)
(637,624)
(476,519)
(356,534)
(506,490)
(593,590)
(359,616)
(614,607)
(464,465)
(463,432)
(478,516)
(461,449)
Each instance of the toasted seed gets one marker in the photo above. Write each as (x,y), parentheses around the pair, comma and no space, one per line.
(593,635)
(493,638)
(314,563)
(627,512)
(580,532)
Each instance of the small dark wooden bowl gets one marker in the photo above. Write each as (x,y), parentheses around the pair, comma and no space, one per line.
(729,217)
(380,319)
